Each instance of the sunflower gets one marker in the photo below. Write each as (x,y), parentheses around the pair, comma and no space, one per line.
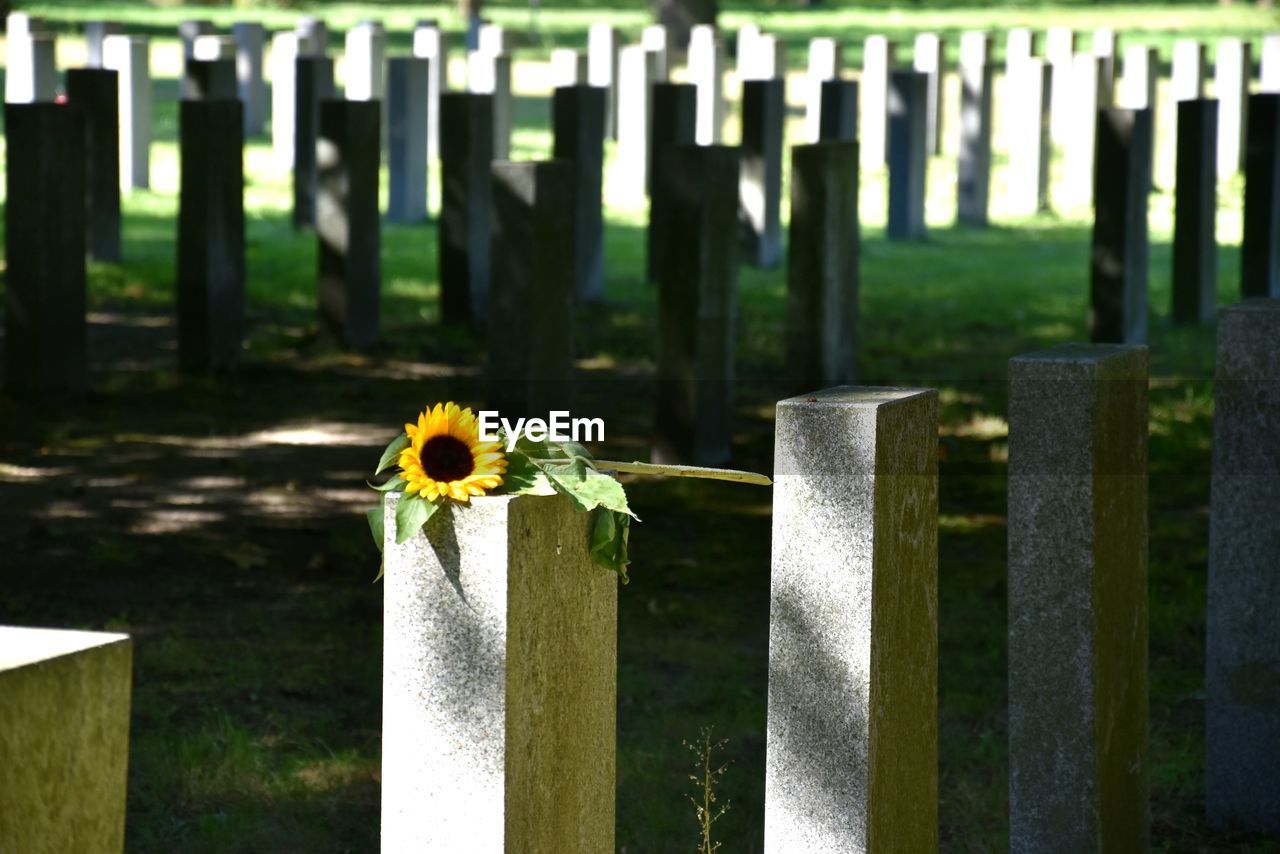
(445,457)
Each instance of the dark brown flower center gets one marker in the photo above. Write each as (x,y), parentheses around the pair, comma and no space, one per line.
(445,458)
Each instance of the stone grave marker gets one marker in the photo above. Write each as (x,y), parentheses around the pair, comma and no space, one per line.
(45,221)
(851,743)
(674,124)
(822,265)
(313,83)
(95,92)
(697,305)
(706,72)
(408,85)
(532,292)
(1118,267)
(878,63)
(578,122)
(466,150)
(250,39)
(64,712)
(764,111)
(973,166)
(211,225)
(1260,247)
(1242,638)
(349,272)
(908,154)
(1078,599)
(130,58)
(1195,208)
(499,706)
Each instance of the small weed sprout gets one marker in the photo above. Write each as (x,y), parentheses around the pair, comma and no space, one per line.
(708,810)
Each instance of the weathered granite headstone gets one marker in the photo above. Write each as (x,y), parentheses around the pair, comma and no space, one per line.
(637,72)
(44,215)
(908,154)
(1260,247)
(1029,139)
(1195,207)
(878,63)
(762,57)
(30,67)
(674,123)
(466,150)
(602,70)
(577,123)
(1137,90)
(1269,71)
(1060,52)
(408,82)
(851,754)
(838,111)
(313,36)
(764,110)
(1078,599)
(1106,47)
(494,39)
(1242,638)
(130,58)
(973,166)
(285,51)
(531,296)
(189,31)
(706,73)
(822,265)
(490,74)
(349,272)
(250,40)
(1118,262)
(365,68)
(94,34)
(826,61)
(31,75)
(209,80)
(95,92)
(1089,95)
(499,696)
(656,40)
(1020,45)
(64,748)
(1233,67)
(211,258)
(928,60)
(429,43)
(697,305)
(313,83)
(1186,81)
(568,67)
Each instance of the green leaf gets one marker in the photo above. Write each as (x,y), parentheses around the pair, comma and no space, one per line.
(394,484)
(573,449)
(377,524)
(412,513)
(609,536)
(393,450)
(523,477)
(587,488)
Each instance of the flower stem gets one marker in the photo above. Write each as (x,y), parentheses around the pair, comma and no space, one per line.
(683,471)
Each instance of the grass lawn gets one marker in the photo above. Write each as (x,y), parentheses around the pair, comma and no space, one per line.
(221,522)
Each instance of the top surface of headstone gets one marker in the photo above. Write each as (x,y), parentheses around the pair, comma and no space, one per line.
(21,646)
(848,395)
(1078,353)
